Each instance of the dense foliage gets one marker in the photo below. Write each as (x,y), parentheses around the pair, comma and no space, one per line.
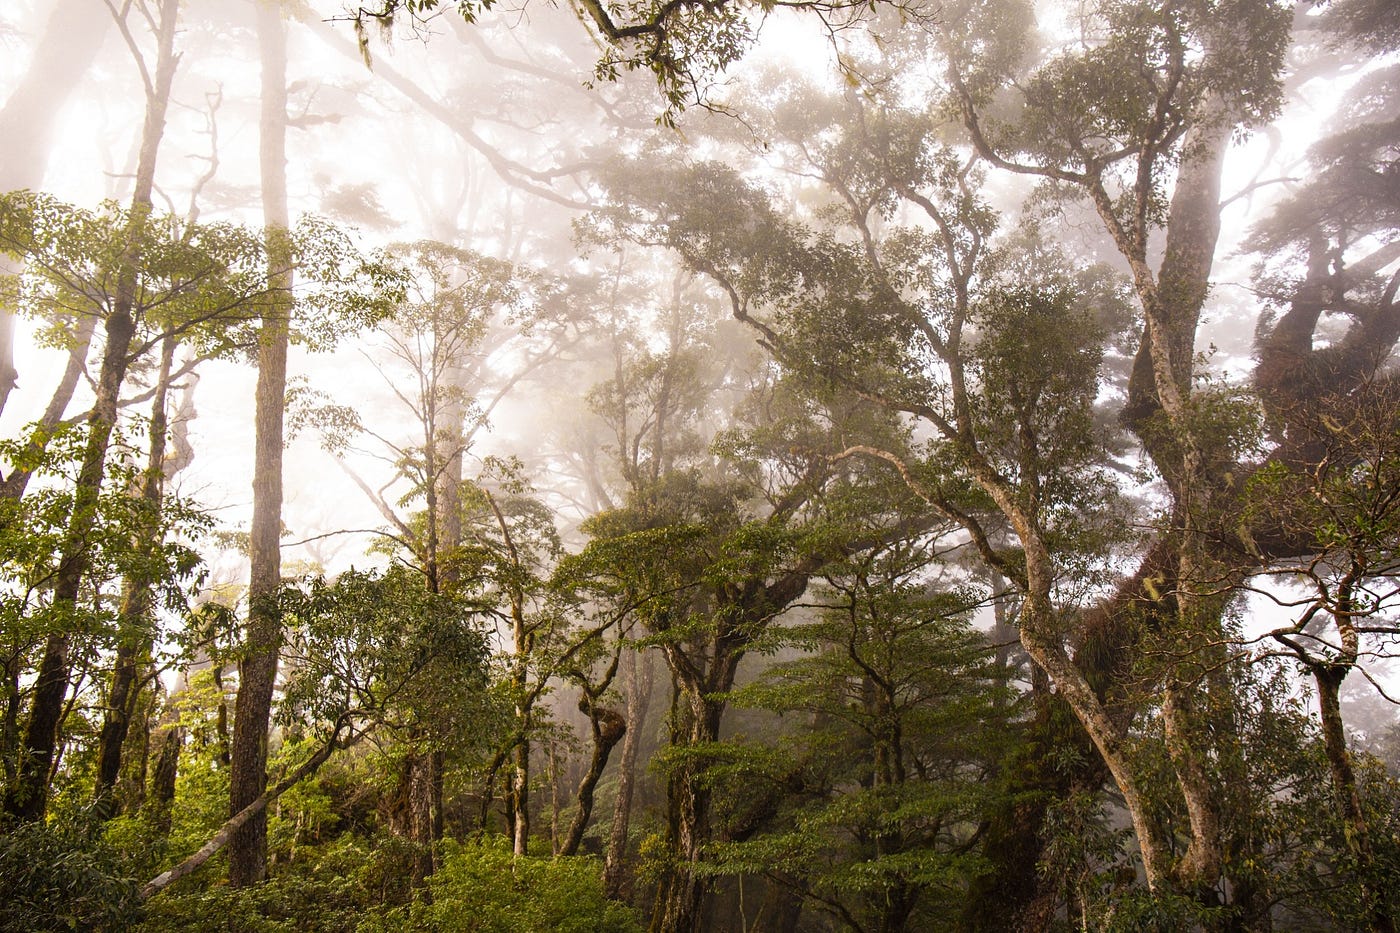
(832,514)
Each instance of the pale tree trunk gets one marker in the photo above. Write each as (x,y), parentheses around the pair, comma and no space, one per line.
(1193,228)
(29,797)
(258,668)
(638,686)
(17,482)
(70,42)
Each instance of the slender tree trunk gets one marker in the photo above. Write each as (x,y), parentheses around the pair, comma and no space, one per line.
(639,681)
(134,637)
(29,797)
(608,728)
(15,484)
(70,42)
(258,668)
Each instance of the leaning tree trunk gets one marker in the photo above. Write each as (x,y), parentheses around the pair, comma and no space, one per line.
(28,798)
(258,669)
(17,482)
(259,804)
(608,727)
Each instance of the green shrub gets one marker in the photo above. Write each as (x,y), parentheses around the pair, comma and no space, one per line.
(482,888)
(61,875)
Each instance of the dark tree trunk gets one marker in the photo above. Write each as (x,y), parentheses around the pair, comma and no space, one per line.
(134,637)
(258,668)
(608,728)
(162,793)
(414,815)
(680,902)
(1358,839)
(28,798)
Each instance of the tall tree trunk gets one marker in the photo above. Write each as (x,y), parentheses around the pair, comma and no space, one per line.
(638,686)
(258,668)
(134,637)
(70,42)
(1329,677)
(29,797)
(680,902)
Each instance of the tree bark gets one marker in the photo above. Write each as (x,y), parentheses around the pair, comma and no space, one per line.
(608,728)
(28,798)
(639,681)
(254,807)
(134,637)
(162,794)
(258,667)
(1328,678)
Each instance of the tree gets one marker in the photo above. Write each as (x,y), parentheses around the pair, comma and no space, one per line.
(891,314)
(363,646)
(685,45)
(29,795)
(871,801)
(258,667)
(710,552)
(1348,505)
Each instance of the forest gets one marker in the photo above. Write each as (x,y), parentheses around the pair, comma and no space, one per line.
(700,465)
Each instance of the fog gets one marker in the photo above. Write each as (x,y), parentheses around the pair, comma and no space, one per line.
(932,464)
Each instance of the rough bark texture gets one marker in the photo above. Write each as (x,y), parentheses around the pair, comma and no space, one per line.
(608,727)
(414,810)
(134,639)
(680,902)
(162,794)
(1328,678)
(28,798)
(638,684)
(258,668)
